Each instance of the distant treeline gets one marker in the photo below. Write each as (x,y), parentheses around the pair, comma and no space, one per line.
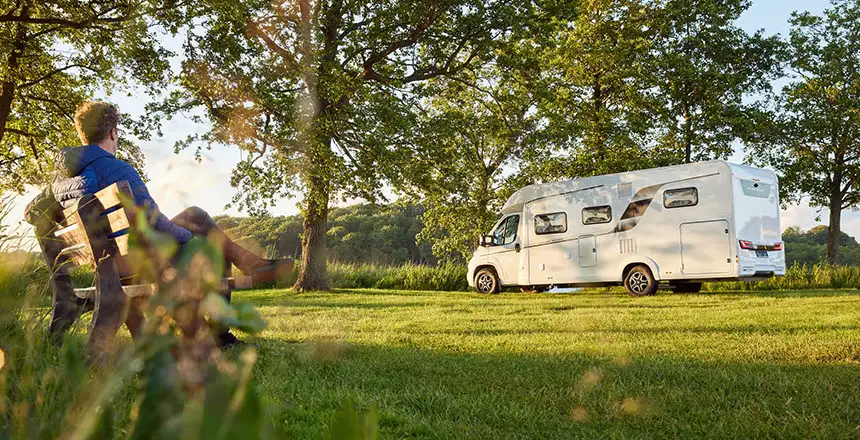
(810,247)
(386,235)
(362,233)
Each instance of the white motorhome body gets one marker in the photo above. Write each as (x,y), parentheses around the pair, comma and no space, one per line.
(685,224)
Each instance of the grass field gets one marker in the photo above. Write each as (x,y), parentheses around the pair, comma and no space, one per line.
(461,365)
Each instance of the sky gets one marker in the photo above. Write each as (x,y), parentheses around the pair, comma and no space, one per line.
(178,181)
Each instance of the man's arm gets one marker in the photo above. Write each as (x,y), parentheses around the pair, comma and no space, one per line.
(144,199)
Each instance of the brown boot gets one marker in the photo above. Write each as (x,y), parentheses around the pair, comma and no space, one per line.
(274,270)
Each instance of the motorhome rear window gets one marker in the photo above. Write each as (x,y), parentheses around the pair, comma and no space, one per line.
(554,223)
(755,189)
(596,214)
(677,198)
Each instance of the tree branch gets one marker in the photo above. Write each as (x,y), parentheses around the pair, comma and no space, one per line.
(413,38)
(12,160)
(287,56)
(19,132)
(54,72)
(55,103)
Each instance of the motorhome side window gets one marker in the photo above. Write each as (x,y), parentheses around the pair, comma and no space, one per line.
(677,198)
(554,223)
(596,214)
(506,232)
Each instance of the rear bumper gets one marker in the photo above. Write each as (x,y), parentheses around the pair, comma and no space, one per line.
(752,266)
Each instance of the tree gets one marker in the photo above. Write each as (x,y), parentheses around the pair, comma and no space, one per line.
(313,92)
(815,143)
(472,131)
(55,54)
(703,67)
(595,101)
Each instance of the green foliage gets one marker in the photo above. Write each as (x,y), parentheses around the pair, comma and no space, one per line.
(798,277)
(634,84)
(471,132)
(55,54)
(708,74)
(168,385)
(597,96)
(813,143)
(810,247)
(316,93)
(443,277)
(362,233)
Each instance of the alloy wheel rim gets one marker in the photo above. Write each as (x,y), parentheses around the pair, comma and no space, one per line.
(485,282)
(638,282)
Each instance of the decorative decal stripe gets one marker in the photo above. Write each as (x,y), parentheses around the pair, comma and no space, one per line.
(637,207)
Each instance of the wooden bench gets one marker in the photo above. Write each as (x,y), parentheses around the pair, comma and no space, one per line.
(95,231)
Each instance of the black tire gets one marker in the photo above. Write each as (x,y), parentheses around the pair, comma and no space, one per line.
(687,287)
(486,281)
(532,289)
(640,282)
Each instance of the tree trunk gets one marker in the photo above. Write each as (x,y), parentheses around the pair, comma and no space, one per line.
(688,137)
(313,274)
(9,84)
(834,228)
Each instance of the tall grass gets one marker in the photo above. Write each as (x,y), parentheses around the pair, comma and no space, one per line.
(31,273)
(443,277)
(798,277)
(452,277)
(166,384)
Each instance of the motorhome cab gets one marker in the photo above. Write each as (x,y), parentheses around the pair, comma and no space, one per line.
(683,225)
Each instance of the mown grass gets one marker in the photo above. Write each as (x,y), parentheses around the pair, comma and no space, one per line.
(580,365)
(457,365)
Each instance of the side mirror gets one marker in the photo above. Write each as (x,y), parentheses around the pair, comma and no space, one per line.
(487,240)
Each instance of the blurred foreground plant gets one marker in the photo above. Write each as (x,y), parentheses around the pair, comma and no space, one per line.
(174,382)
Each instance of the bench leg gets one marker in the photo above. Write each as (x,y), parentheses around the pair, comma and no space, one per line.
(111,310)
(66,307)
(135,320)
(228,272)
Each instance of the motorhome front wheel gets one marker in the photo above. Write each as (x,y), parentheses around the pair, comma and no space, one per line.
(486,281)
(640,282)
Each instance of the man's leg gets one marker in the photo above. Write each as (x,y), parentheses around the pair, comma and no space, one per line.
(201,224)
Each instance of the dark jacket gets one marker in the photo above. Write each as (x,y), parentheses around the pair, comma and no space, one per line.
(88,169)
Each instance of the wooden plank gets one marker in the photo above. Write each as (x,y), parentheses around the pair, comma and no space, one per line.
(134,290)
(117,221)
(144,290)
(110,196)
(122,245)
(241,282)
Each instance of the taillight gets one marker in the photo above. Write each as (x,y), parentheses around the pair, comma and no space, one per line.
(778,246)
(746,244)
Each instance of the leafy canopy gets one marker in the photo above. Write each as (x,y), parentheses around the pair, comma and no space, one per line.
(55,54)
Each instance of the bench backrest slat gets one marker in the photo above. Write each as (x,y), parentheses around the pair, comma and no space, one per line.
(96,224)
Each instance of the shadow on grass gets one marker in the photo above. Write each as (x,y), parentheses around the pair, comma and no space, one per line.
(786,293)
(433,394)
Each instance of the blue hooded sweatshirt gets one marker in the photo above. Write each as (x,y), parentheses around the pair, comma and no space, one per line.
(89,169)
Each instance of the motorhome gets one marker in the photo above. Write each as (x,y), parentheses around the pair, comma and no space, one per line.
(679,225)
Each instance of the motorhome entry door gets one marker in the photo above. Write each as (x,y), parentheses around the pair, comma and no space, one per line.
(587,250)
(705,248)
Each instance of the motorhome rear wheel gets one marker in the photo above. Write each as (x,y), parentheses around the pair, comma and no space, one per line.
(640,282)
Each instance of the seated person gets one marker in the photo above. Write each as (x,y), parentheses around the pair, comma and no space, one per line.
(94,166)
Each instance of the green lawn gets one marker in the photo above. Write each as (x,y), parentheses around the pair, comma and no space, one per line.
(460,365)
